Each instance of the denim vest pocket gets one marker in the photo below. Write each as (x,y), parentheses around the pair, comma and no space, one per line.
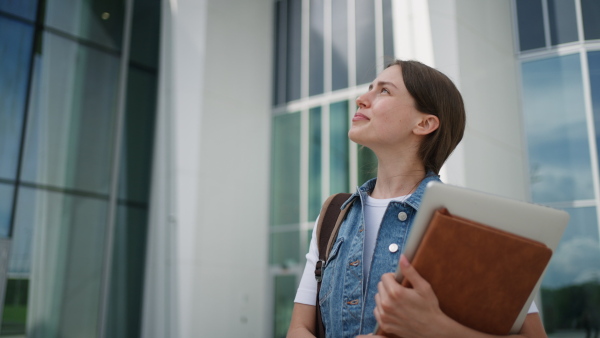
(328,271)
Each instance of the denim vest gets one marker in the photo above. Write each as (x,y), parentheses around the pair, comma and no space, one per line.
(346,310)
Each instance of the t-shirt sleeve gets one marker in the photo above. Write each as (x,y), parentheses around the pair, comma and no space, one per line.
(533,308)
(307,290)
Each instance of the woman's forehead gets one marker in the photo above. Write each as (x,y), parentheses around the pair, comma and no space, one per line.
(391,74)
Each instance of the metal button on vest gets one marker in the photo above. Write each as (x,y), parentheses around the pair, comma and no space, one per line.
(402,216)
(393,247)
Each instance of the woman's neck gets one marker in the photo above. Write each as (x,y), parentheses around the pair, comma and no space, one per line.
(398,176)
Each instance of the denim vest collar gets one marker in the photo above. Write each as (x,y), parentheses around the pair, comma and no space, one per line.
(414,200)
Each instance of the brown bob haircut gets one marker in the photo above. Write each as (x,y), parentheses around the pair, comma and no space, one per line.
(435,94)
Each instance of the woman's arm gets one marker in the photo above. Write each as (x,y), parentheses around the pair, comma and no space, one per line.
(303,321)
(416,313)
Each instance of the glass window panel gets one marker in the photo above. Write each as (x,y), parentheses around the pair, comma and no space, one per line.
(339,152)
(563,21)
(16,43)
(316,48)
(278,48)
(6,204)
(365,41)
(388,31)
(286,169)
(14,313)
(367,164)
(293,53)
(26,9)
(126,290)
(145,32)
(590,11)
(66,261)
(594,73)
(555,125)
(285,291)
(285,248)
(530,18)
(138,136)
(100,21)
(571,286)
(339,44)
(71,117)
(314,164)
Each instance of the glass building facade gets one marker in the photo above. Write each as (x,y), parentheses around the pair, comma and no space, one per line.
(559,54)
(326,52)
(78,83)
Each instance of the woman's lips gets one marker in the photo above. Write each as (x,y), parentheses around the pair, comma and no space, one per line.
(359,117)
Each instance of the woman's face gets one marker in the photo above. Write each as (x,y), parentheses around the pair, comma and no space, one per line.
(386,114)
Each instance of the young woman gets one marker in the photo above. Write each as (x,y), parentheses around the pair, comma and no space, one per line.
(412,117)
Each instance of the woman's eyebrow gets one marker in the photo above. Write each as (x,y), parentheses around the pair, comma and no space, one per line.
(383,83)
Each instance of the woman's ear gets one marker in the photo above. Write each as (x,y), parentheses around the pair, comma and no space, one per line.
(428,124)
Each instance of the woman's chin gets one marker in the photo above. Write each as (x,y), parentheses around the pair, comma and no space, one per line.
(354,135)
(356,138)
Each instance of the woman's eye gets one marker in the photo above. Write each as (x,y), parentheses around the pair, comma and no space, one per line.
(384,90)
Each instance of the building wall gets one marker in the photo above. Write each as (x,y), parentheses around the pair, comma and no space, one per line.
(473,42)
(211,200)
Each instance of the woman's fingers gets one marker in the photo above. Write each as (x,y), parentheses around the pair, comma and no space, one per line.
(418,283)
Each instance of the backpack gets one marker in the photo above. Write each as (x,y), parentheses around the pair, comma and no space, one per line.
(327,229)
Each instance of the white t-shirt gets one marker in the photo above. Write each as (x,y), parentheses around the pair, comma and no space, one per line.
(374,210)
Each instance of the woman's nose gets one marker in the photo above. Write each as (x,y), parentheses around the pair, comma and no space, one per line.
(362,101)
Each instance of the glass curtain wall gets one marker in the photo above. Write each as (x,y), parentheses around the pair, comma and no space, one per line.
(559,53)
(326,52)
(78,83)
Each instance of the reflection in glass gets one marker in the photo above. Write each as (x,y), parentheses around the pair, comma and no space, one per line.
(365,41)
(125,302)
(563,21)
(6,204)
(555,125)
(70,126)
(279,51)
(136,149)
(100,21)
(293,53)
(285,169)
(285,248)
(68,247)
(590,12)
(25,9)
(19,263)
(316,48)
(16,43)
(531,24)
(367,164)
(314,163)
(14,313)
(594,73)
(339,154)
(576,258)
(145,30)
(285,291)
(339,44)
(388,31)
(571,287)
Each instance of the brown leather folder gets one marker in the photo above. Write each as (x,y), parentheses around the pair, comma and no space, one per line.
(482,276)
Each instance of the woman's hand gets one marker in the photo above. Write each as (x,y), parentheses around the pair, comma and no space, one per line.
(415,312)
(408,312)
